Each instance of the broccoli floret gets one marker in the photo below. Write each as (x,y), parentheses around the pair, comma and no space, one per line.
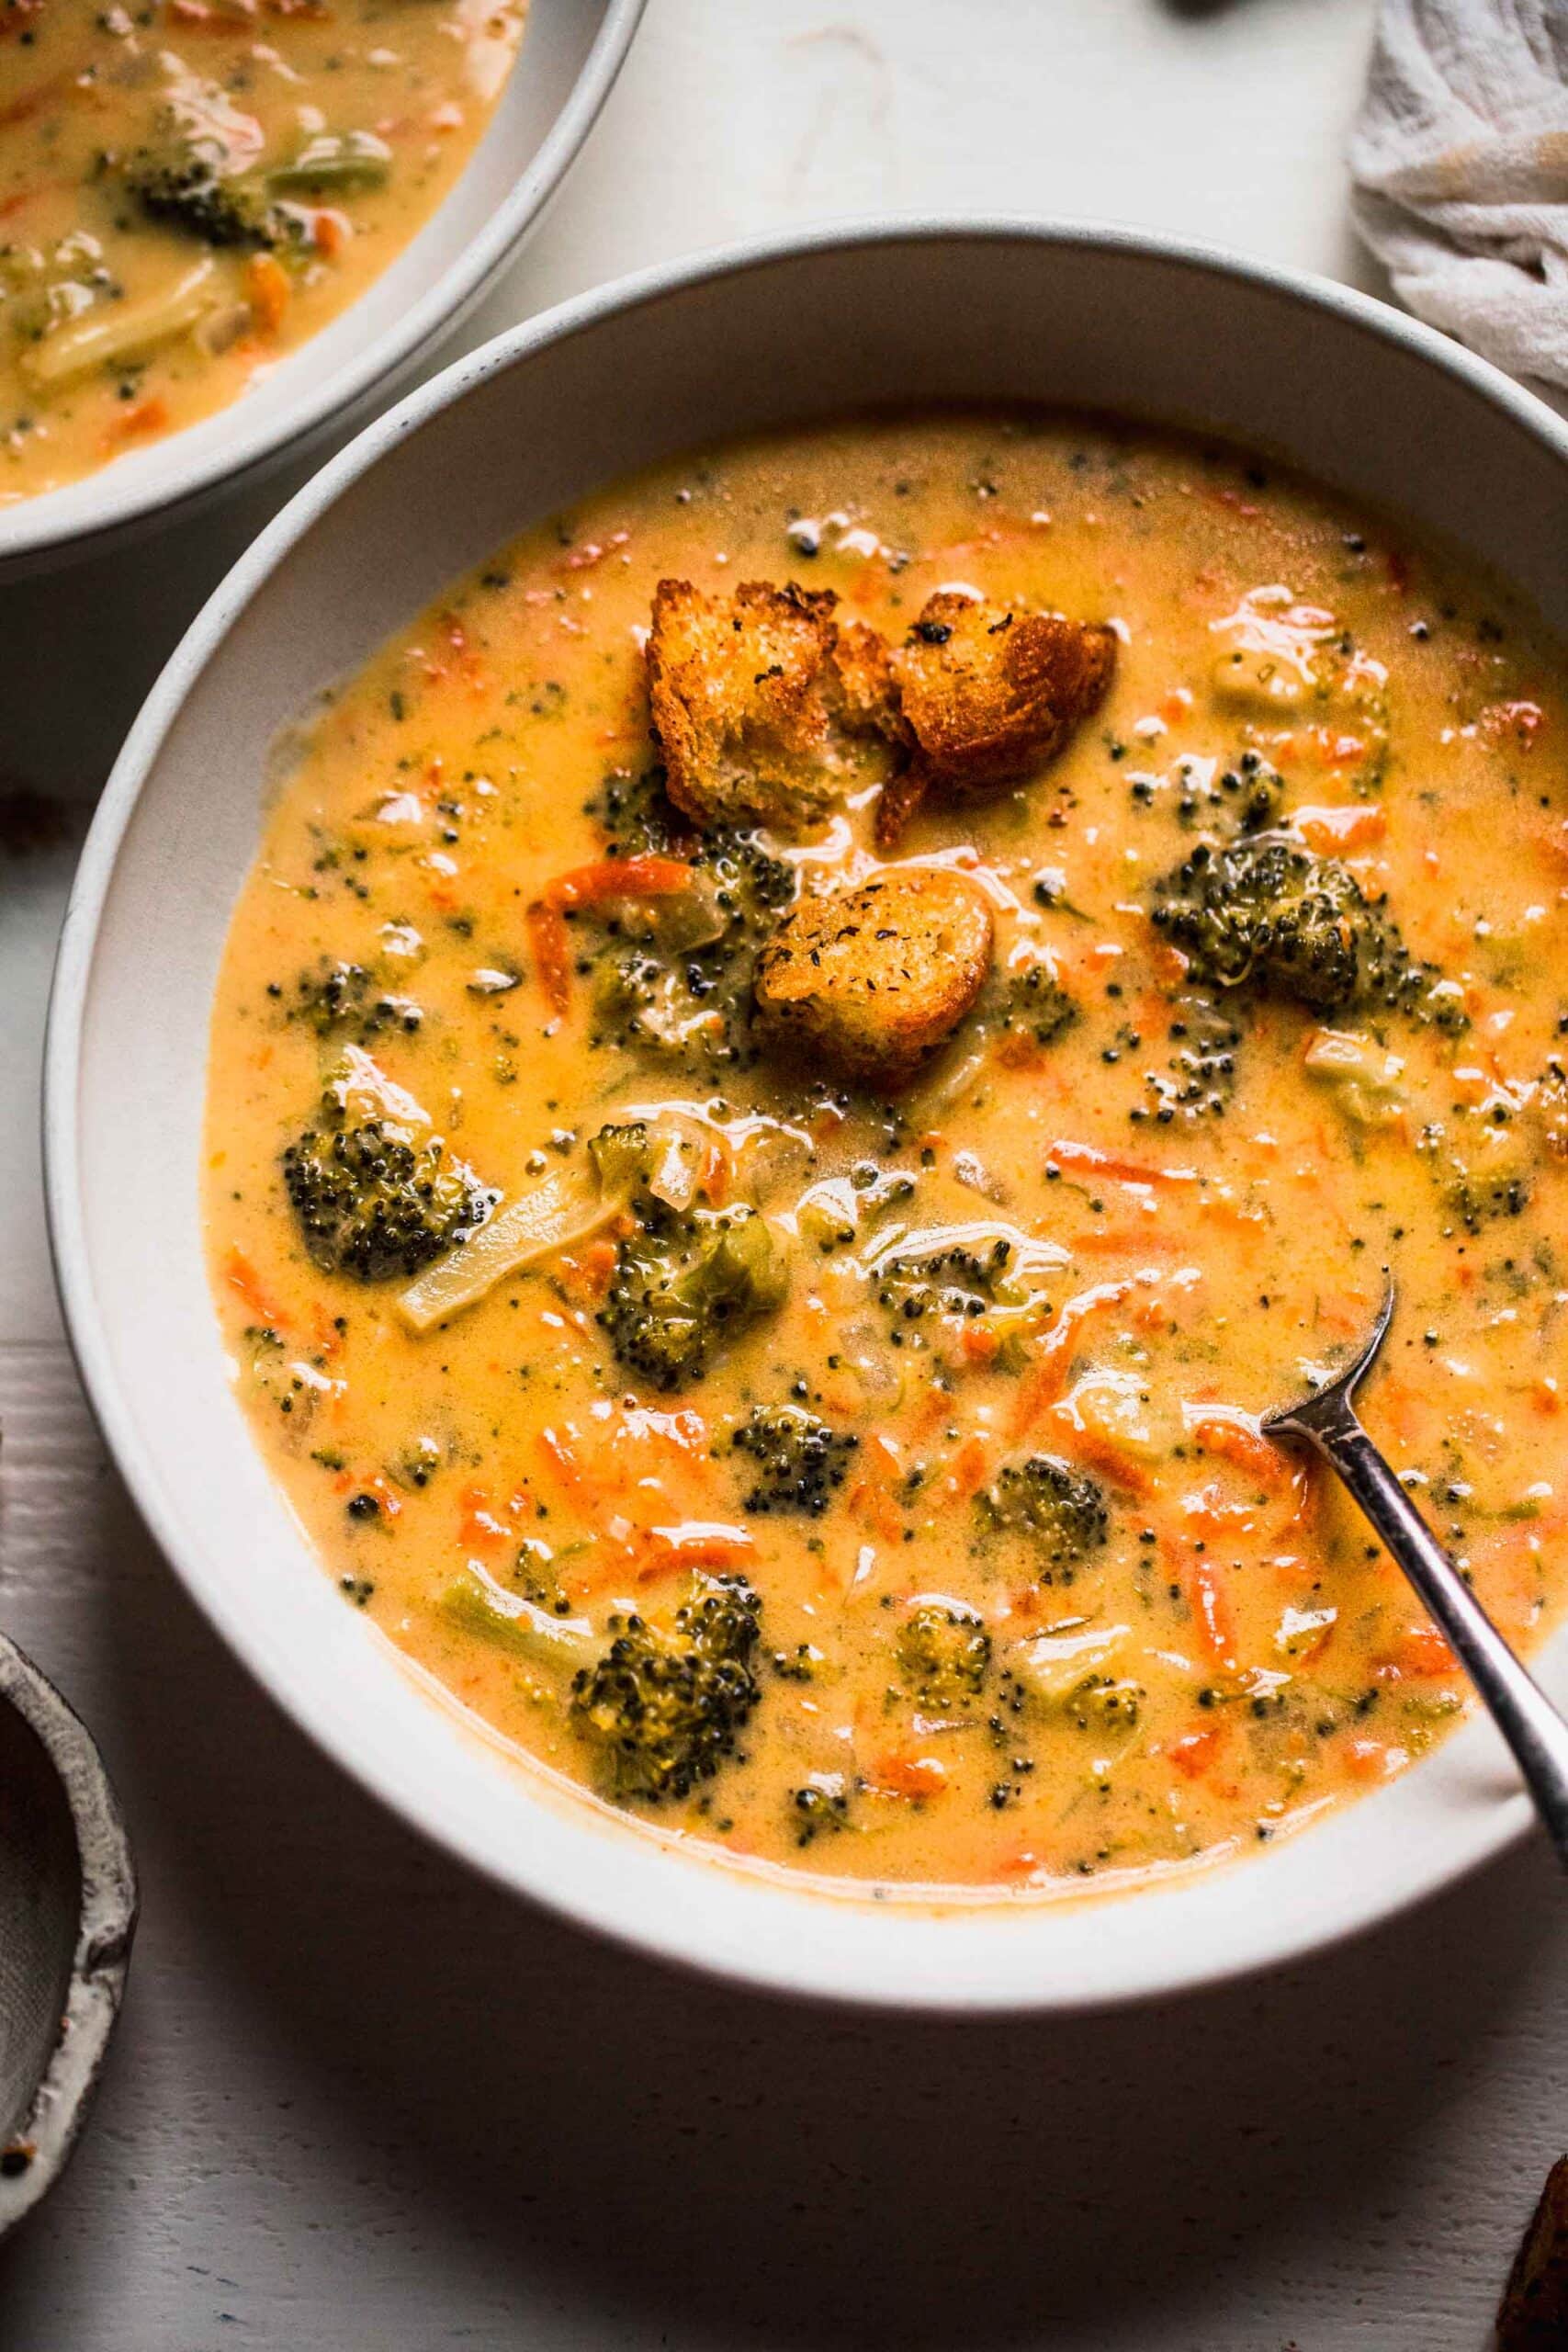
(634,1155)
(1203,1067)
(665,1703)
(1246,796)
(1035,1008)
(959,1281)
(944,1655)
(822,1804)
(374,1197)
(920,1290)
(677,979)
(640,818)
(1484,1166)
(683,1280)
(800,1460)
(1061,1510)
(1552,1104)
(1266,915)
(340,998)
(181,185)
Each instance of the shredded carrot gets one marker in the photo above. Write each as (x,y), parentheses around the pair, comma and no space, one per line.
(1021,1863)
(609,878)
(1045,1380)
(1097,1450)
(585,1273)
(1230,1437)
(600,883)
(1092,1161)
(1331,832)
(970,1464)
(268,291)
(719,1168)
(1370,1759)
(564,1462)
(1209,1600)
(871,1499)
(242,1278)
(979,1344)
(907,1776)
(330,232)
(1419,1652)
(146,417)
(692,1545)
(1196,1751)
(478,1529)
(551,943)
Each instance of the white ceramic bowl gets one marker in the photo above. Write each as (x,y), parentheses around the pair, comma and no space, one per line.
(571,52)
(1352,391)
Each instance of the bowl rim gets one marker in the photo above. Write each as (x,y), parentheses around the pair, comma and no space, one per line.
(31,539)
(794,1974)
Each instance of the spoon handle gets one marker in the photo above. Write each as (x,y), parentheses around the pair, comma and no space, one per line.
(1520,1709)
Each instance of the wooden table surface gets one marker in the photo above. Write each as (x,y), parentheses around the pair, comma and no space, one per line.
(358,2100)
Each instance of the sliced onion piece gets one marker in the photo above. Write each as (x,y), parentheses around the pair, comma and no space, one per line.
(565,1206)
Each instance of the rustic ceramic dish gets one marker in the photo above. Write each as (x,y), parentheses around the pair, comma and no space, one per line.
(1353,392)
(571,52)
(67,1916)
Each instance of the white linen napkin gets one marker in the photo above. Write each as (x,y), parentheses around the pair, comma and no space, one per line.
(1459,158)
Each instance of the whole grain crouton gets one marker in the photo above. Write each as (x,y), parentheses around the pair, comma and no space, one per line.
(766,709)
(868,982)
(990,694)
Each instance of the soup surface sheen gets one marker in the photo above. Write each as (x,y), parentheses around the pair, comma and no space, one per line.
(189,190)
(1145,1186)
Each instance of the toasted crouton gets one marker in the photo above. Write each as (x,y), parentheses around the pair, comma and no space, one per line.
(990,694)
(870,982)
(765,708)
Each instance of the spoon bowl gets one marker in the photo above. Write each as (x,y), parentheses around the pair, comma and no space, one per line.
(67,1916)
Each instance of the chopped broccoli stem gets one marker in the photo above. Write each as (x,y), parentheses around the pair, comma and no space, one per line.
(944,1655)
(506,1621)
(335,163)
(1060,1511)
(799,1461)
(665,1703)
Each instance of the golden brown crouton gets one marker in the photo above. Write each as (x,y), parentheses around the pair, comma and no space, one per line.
(765,708)
(990,694)
(870,982)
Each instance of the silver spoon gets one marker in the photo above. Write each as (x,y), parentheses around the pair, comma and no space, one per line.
(1520,1709)
(67,1916)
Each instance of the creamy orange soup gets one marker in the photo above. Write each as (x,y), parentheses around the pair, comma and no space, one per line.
(954,1512)
(190,189)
